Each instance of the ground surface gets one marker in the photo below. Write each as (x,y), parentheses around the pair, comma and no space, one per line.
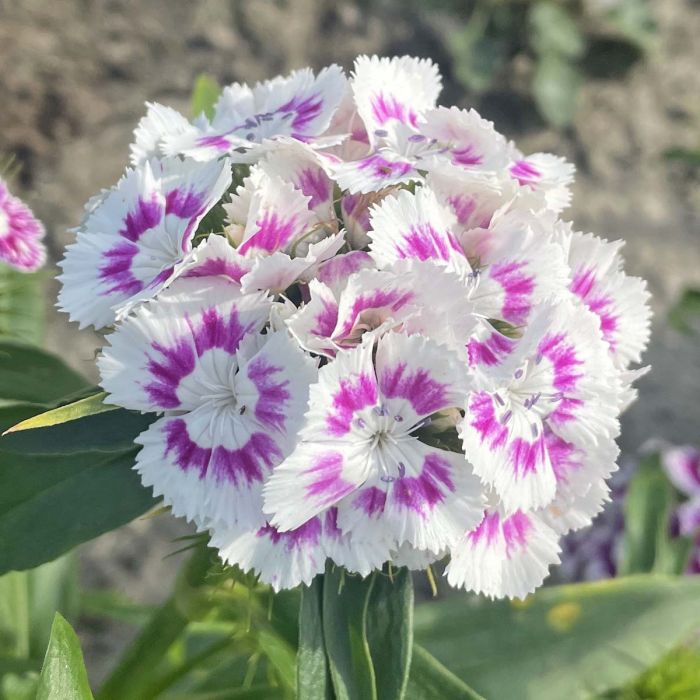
(74,75)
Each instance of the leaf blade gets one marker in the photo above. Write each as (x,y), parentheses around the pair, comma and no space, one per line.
(63,674)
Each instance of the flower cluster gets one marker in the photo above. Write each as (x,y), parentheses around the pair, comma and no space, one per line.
(20,234)
(367,332)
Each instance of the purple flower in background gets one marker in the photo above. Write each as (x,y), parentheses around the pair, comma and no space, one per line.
(20,234)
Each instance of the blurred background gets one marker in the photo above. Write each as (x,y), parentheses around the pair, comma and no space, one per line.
(613,85)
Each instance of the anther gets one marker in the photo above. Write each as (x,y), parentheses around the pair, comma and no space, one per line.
(506,417)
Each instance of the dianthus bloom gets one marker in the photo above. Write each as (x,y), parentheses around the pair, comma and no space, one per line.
(365,329)
(20,234)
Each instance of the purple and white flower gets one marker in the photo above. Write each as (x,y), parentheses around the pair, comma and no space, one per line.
(383,345)
(20,234)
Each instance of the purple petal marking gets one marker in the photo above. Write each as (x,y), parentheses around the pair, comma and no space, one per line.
(525,173)
(393,300)
(603,306)
(466,155)
(146,215)
(116,272)
(326,320)
(386,107)
(305,110)
(273,394)
(355,206)
(424,242)
(330,524)
(482,417)
(487,530)
(516,530)
(423,492)
(168,365)
(185,203)
(524,457)
(355,393)
(370,500)
(272,233)
(517,288)
(248,464)
(382,168)
(564,457)
(566,369)
(491,351)
(216,141)
(340,267)
(328,485)
(314,183)
(425,394)
(217,267)
(307,534)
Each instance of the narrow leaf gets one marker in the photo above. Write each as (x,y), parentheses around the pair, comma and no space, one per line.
(390,632)
(345,600)
(430,680)
(313,676)
(63,674)
(88,406)
(112,431)
(647,506)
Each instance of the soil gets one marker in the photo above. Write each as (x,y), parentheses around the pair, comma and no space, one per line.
(74,76)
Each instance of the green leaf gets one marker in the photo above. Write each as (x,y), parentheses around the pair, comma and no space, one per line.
(555,88)
(430,680)
(555,31)
(89,406)
(205,93)
(63,674)
(648,505)
(21,305)
(345,601)
(32,375)
(113,431)
(390,632)
(57,502)
(563,642)
(313,676)
(685,315)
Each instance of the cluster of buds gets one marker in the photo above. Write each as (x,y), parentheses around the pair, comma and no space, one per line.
(366,331)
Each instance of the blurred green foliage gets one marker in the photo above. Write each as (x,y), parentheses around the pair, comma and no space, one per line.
(562,43)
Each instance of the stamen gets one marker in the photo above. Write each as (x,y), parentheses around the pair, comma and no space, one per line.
(398,419)
(538,359)
(379,410)
(360,423)
(535,430)
(506,417)
(402,470)
(498,398)
(518,374)
(416,138)
(381,132)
